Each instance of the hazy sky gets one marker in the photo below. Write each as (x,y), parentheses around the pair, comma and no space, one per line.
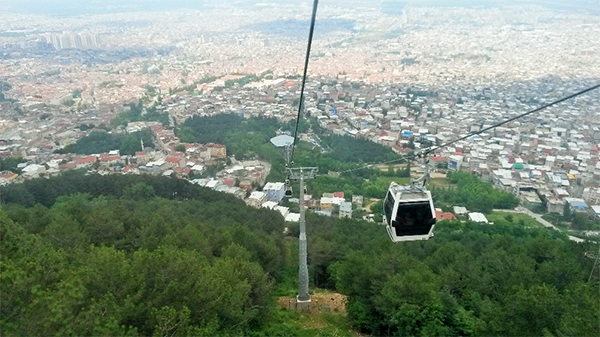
(78,7)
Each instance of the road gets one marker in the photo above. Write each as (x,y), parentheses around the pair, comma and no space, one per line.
(538,218)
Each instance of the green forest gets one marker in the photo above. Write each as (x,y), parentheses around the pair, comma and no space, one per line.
(11,164)
(103,142)
(249,138)
(138,264)
(143,255)
(471,192)
(134,114)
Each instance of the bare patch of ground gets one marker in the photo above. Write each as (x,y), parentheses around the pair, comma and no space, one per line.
(333,303)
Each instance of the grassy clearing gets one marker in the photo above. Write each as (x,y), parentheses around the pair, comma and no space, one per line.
(285,322)
(440,182)
(516,217)
(443,182)
(387,180)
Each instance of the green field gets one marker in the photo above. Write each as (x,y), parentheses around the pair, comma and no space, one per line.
(440,182)
(291,323)
(516,218)
(386,181)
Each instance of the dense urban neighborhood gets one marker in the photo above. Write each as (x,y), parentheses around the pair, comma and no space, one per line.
(549,158)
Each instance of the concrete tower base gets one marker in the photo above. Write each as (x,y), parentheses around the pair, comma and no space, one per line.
(303,306)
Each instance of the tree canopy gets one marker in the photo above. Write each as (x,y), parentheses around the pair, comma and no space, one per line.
(143,255)
(473,193)
(10,164)
(135,113)
(138,264)
(249,138)
(103,142)
(470,279)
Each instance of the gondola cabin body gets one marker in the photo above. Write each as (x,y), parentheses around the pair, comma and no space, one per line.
(409,213)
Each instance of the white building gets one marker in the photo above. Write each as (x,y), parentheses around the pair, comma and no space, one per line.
(293,217)
(256,199)
(346,209)
(459,210)
(274,191)
(478,217)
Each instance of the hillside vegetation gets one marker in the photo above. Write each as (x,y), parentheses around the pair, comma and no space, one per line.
(141,255)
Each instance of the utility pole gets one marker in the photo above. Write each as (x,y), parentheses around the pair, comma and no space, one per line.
(303,299)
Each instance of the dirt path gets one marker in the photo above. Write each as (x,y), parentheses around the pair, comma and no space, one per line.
(368,207)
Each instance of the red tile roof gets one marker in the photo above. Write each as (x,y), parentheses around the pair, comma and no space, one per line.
(107,157)
(439,215)
(8,175)
(85,160)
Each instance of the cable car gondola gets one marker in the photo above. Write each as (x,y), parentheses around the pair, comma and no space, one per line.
(409,212)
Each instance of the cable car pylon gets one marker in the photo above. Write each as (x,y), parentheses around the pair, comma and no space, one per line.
(303,300)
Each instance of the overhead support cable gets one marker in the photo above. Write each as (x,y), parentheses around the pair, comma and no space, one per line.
(308,48)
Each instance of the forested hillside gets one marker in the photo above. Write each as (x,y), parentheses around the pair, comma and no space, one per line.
(249,138)
(138,263)
(470,279)
(142,255)
(473,193)
(103,142)
(45,191)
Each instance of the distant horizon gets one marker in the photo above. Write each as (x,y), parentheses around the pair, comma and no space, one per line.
(93,7)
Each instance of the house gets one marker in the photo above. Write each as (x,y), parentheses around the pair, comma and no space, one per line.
(358,200)
(338,194)
(8,175)
(109,158)
(274,191)
(246,184)
(182,170)
(439,215)
(256,199)
(387,141)
(141,157)
(198,168)
(346,209)
(555,205)
(596,212)
(173,162)
(530,199)
(478,217)
(292,217)
(212,184)
(216,150)
(86,161)
(460,210)
(34,170)
(326,204)
(283,210)
(269,204)
(576,204)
